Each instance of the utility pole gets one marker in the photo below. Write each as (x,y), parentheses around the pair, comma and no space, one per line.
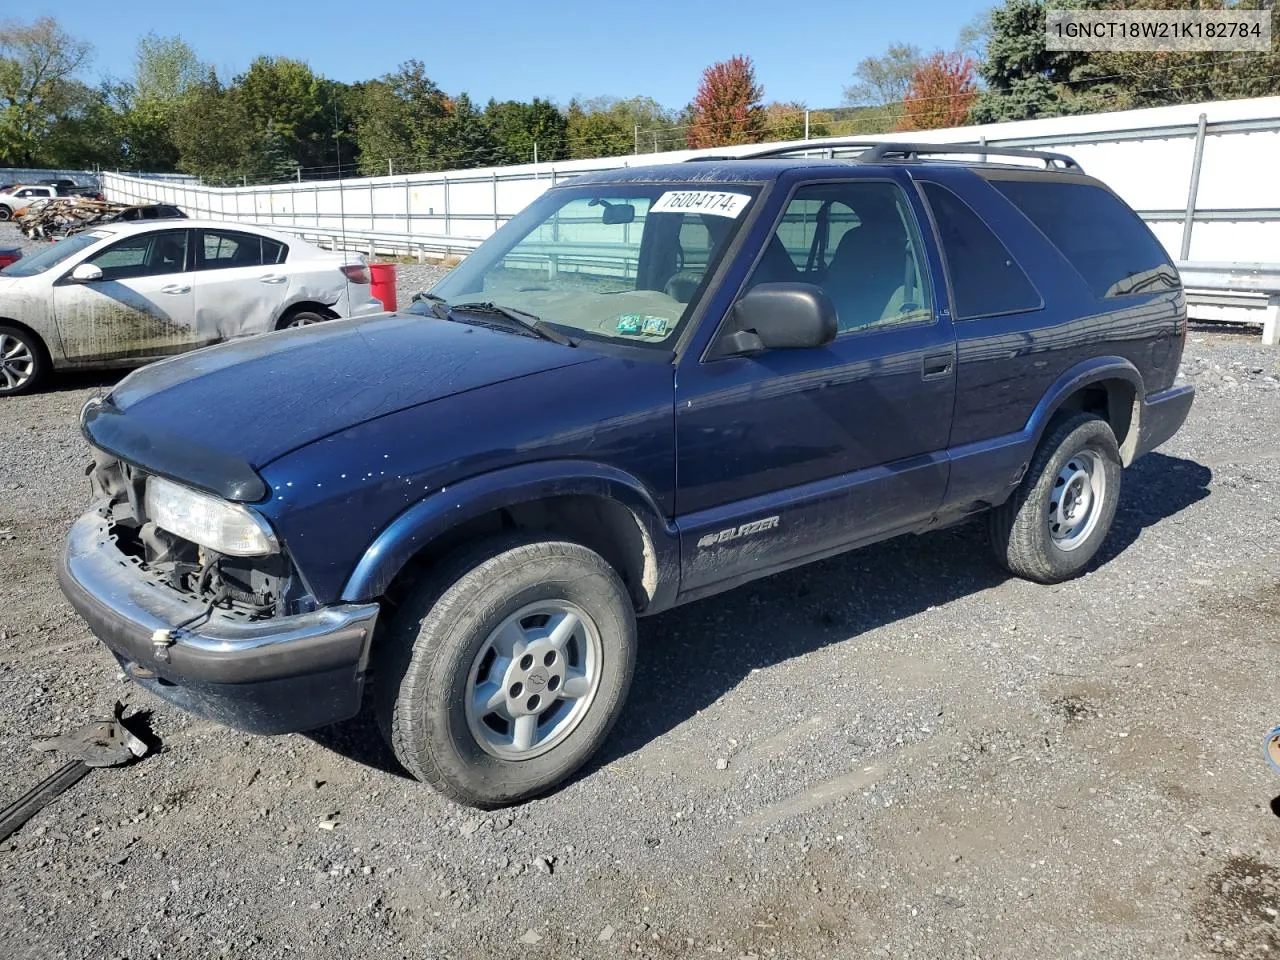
(391,171)
(637,138)
(535,152)
(806,124)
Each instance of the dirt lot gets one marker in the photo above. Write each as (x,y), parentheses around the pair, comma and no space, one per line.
(897,753)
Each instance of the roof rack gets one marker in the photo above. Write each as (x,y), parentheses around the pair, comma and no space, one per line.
(914,151)
(876,152)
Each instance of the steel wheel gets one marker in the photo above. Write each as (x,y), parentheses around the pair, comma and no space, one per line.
(533,680)
(1075,502)
(17,363)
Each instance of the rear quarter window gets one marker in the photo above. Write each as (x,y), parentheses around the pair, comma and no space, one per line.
(985,279)
(1107,243)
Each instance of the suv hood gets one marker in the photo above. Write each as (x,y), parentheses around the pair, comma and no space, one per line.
(257,399)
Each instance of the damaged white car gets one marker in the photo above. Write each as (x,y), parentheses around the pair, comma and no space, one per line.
(124,294)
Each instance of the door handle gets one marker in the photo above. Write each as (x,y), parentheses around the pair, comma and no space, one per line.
(936,366)
(273,278)
(175,288)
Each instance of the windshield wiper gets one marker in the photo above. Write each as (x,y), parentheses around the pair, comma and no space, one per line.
(439,305)
(526,321)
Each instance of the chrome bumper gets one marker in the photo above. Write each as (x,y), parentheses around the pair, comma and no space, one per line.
(288,673)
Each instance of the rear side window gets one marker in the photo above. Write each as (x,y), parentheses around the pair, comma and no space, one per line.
(1105,241)
(221,250)
(985,279)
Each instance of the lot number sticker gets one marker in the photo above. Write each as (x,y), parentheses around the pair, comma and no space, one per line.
(715,202)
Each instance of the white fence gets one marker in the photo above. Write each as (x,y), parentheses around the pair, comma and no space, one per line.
(1203,175)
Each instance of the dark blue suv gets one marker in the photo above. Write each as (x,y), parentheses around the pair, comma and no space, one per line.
(652,385)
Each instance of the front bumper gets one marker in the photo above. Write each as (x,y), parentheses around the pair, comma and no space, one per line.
(266,676)
(1163,415)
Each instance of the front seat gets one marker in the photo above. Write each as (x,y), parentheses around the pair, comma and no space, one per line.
(171,256)
(866,276)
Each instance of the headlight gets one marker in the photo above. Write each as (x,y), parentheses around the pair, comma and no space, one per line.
(226,527)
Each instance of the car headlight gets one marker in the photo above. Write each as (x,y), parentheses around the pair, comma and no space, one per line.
(208,521)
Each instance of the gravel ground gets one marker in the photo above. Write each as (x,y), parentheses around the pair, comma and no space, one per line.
(899,752)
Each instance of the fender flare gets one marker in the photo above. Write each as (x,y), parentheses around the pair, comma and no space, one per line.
(1082,375)
(420,524)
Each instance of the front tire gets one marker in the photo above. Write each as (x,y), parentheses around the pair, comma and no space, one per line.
(23,362)
(1059,516)
(505,672)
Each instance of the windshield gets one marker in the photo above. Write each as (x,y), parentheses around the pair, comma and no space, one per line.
(52,255)
(623,262)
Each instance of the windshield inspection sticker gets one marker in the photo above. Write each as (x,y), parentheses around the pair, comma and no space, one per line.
(641,324)
(715,202)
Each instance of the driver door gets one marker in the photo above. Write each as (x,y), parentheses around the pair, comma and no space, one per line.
(143,306)
(792,454)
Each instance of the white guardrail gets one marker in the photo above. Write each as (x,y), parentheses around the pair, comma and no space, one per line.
(1236,287)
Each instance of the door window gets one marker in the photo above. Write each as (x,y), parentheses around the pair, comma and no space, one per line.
(148,255)
(858,241)
(226,249)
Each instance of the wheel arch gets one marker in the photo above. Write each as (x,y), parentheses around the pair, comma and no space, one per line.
(599,506)
(292,309)
(1110,387)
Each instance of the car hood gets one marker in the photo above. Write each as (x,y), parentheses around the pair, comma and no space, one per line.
(259,398)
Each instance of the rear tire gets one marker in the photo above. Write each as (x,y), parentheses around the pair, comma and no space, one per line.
(1059,516)
(301,318)
(505,671)
(23,361)
(5,214)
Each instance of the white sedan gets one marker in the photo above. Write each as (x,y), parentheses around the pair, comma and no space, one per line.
(126,293)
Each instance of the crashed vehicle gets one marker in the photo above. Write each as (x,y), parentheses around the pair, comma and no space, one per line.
(652,385)
(128,293)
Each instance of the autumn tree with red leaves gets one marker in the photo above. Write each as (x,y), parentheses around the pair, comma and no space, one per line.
(942,90)
(727,108)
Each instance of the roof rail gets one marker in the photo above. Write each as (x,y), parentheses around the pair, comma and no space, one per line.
(828,145)
(914,151)
(878,151)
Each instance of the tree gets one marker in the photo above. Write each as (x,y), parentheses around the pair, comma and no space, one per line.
(38,64)
(942,90)
(1159,79)
(461,138)
(214,136)
(609,127)
(881,83)
(517,126)
(785,121)
(287,96)
(394,117)
(1025,79)
(726,108)
(165,68)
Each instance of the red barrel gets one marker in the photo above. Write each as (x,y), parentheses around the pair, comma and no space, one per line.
(382,283)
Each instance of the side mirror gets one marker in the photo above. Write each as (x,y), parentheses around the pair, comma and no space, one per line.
(779,316)
(85,273)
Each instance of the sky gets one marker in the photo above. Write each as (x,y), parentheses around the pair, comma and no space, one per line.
(556,49)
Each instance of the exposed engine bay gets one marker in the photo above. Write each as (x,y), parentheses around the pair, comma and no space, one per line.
(253,588)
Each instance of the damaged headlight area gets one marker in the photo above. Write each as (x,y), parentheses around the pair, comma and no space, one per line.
(218,552)
(207,521)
